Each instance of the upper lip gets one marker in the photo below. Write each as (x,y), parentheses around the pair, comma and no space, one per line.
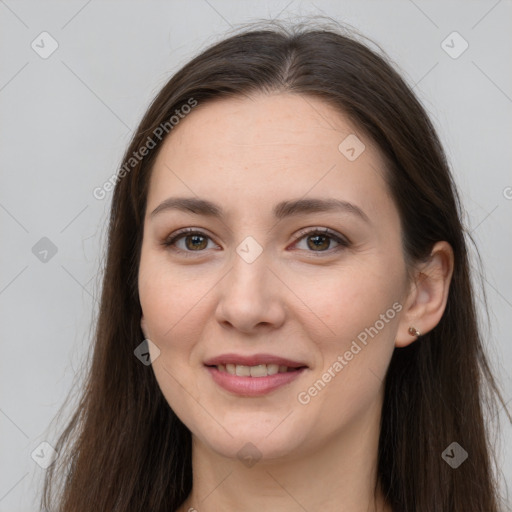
(253,360)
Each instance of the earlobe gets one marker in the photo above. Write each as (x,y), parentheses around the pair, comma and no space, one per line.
(428,296)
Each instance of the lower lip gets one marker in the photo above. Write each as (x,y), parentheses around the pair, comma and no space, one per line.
(252,386)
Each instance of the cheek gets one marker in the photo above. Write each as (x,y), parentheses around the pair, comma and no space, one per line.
(171,302)
(343,302)
(359,311)
(173,310)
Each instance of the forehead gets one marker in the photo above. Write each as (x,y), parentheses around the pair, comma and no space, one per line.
(250,150)
(262,126)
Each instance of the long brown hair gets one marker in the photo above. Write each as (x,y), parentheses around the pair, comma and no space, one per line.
(124,449)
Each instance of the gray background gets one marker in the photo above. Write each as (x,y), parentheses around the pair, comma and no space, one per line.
(66,120)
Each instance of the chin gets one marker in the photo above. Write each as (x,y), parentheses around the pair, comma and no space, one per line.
(251,441)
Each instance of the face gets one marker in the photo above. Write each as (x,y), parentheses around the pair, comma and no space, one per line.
(275,309)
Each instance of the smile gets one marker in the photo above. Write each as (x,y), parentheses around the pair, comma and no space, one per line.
(253,375)
(260,370)
(253,381)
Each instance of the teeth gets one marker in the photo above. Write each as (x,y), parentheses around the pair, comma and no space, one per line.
(272,369)
(260,370)
(242,371)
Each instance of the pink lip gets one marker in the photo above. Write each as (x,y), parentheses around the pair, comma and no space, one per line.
(252,386)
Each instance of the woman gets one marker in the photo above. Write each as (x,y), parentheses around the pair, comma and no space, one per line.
(285,235)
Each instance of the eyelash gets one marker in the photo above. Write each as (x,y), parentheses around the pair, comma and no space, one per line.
(342,241)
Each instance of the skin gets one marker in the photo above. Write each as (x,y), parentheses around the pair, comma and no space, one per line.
(295,300)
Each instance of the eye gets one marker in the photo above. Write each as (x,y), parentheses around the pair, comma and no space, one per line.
(320,240)
(187,241)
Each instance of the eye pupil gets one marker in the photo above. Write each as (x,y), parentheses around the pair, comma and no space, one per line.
(195,239)
(316,245)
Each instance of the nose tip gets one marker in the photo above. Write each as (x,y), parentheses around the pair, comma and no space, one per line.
(249,296)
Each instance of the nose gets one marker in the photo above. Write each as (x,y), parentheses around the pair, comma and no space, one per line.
(251,297)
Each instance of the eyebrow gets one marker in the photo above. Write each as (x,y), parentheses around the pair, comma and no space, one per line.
(281,210)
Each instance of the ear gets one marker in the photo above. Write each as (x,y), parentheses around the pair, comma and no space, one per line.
(428,294)
(144,328)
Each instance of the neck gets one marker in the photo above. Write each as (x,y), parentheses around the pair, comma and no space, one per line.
(340,475)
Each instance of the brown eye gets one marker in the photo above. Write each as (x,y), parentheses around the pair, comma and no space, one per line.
(188,241)
(195,242)
(321,240)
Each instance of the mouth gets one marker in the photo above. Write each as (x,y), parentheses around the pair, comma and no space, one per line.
(256,371)
(254,375)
